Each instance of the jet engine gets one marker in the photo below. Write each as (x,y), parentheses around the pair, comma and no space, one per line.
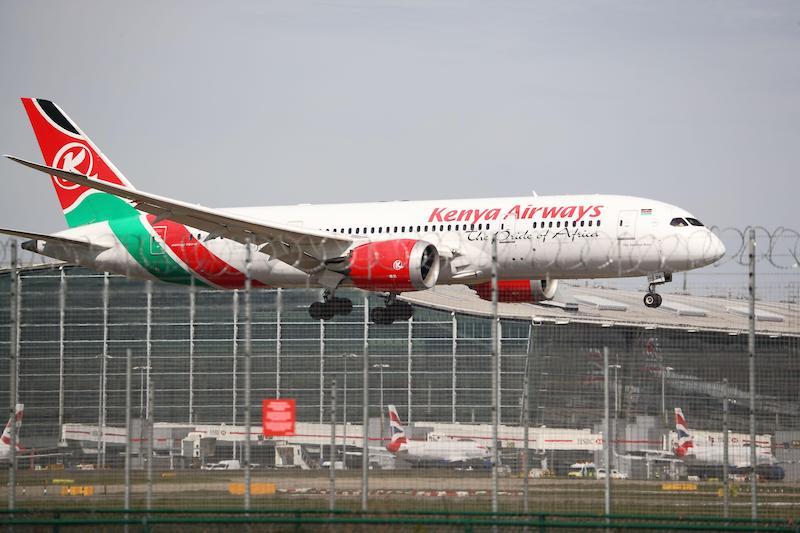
(395,266)
(519,290)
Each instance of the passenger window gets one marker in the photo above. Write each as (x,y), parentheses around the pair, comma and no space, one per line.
(678,223)
(574,223)
(694,222)
(456,227)
(426,228)
(558,224)
(380,230)
(550,225)
(356,230)
(487,226)
(598,224)
(583,221)
(590,222)
(349,231)
(395,229)
(417,229)
(449,227)
(480,226)
(441,227)
(534,225)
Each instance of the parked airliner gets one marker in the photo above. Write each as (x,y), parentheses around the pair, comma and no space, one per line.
(446,451)
(386,247)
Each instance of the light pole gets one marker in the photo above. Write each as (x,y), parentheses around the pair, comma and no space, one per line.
(664,371)
(613,442)
(141,370)
(380,367)
(345,356)
(101,415)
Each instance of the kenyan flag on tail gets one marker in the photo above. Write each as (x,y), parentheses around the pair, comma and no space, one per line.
(65,146)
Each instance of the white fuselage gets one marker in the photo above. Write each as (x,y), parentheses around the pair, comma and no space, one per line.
(545,237)
(444,451)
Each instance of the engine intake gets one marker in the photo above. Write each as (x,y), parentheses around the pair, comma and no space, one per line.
(519,290)
(395,266)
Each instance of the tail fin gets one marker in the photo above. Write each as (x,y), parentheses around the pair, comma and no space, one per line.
(685,442)
(5,440)
(65,146)
(396,431)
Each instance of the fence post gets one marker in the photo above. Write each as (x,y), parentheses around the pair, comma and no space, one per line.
(751,349)
(150,447)
(128,370)
(192,294)
(495,381)
(726,488)
(526,421)
(13,350)
(248,349)
(365,414)
(607,435)
(332,453)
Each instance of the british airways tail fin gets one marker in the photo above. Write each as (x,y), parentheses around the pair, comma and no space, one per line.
(396,430)
(685,442)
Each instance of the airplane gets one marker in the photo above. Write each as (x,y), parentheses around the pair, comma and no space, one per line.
(444,451)
(22,453)
(708,451)
(384,247)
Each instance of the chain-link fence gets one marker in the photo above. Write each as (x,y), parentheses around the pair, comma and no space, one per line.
(603,406)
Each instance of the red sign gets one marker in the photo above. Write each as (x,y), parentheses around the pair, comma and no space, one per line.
(278,417)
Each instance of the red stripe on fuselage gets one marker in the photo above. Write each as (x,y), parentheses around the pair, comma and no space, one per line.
(197,257)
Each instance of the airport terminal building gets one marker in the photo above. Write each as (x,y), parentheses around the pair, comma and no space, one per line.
(75,326)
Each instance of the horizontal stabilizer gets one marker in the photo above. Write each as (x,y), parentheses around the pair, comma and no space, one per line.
(55,239)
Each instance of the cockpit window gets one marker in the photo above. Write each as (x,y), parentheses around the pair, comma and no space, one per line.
(694,222)
(678,222)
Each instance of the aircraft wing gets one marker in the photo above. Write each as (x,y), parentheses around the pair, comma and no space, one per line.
(303,248)
(56,239)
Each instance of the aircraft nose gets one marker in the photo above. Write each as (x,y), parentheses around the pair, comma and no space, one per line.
(715,249)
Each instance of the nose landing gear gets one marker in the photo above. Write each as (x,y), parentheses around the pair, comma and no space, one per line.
(652,299)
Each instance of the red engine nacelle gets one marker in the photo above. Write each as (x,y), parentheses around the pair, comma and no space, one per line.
(519,290)
(394,266)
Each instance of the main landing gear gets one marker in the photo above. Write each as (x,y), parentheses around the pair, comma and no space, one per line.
(394,310)
(652,298)
(330,307)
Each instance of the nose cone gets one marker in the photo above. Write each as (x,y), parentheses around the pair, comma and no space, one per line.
(715,249)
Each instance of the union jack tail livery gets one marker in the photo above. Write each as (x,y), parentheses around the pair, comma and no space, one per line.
(396,430)
(685,442)
(5,440)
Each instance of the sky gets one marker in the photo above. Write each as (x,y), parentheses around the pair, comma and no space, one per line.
(694,103)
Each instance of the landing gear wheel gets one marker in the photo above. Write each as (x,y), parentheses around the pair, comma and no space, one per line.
(328,311)
(652,299)
(401,310)
(341,306)
(316,310)
(381,316)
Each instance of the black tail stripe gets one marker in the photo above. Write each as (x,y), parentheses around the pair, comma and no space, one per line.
(56,116)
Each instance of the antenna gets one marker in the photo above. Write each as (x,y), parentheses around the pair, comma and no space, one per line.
(534,193)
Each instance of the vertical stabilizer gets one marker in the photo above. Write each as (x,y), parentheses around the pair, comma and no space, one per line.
(685,442)
(65,146)
(396,430)
(5,440)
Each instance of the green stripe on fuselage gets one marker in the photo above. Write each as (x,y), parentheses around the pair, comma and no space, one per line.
(128,227)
